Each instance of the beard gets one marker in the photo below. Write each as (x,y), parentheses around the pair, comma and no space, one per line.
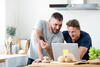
(55,31)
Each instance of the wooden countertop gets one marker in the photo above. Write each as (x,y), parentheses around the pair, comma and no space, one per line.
(2,60)
(61,65)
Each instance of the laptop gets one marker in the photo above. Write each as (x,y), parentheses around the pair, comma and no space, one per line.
(60,48)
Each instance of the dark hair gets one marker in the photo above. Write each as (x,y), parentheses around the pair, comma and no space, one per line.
(73,23)
(57,16)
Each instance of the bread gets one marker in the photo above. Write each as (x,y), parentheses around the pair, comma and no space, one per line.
(98,57)
(61,59)
(96,61)
(67,58)
(22,52)
(46,59)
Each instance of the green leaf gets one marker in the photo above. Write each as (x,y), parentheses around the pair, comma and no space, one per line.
(11,31)
(94,53)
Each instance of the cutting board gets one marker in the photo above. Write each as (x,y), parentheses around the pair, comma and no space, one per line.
(75,63)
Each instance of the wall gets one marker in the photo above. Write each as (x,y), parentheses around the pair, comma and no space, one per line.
(11,14)
(8,16)
(2,26)
(30,11)
(89,21)
(25,13)
(93,1)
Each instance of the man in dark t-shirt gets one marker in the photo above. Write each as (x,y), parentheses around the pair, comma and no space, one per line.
(75,35)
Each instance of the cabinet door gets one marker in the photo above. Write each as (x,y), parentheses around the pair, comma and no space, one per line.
(2,64)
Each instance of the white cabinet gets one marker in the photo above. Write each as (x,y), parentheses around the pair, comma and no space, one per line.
(14,60)
(2,64)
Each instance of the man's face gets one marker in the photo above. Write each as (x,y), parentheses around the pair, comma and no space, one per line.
(55,25)
(74,32)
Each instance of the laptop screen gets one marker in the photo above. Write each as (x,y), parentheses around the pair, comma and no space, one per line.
(59,49)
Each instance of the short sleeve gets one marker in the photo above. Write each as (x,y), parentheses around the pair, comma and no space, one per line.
(64,34)
(86,42)
(39,25)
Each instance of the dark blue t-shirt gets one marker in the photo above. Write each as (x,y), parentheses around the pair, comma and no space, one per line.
(84,40)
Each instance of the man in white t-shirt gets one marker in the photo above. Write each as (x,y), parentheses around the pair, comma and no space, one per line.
(43,35)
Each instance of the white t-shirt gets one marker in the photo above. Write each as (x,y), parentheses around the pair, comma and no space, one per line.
(49,36)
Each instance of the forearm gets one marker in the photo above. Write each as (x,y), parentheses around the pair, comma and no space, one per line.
(82,51)
(40,53)
(49,51)
(38,34)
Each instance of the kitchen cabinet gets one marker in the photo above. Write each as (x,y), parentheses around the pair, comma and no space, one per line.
(2,62)
(75,5)
(14,60)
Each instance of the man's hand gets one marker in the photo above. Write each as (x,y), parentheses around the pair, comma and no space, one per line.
(44,44)
(37,60)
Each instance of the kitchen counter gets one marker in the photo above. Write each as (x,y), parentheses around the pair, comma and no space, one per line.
(61,65)
(14,60)
(2,60)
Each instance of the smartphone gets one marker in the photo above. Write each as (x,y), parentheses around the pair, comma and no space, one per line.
(42,38)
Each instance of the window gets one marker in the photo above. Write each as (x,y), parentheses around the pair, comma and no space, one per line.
(2,26)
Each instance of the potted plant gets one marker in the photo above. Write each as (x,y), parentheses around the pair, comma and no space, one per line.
(10,31)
